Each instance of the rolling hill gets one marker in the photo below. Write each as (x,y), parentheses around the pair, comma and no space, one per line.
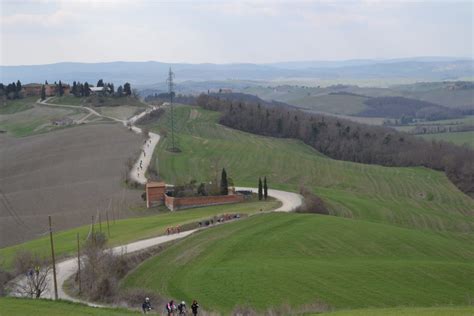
(150,72)
(269,260)
(409,197)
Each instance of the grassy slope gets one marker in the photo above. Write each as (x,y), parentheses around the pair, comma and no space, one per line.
(409,311)
(27,307)
(270,259)
(35,120)
(461,138)
(128,230)
(14,106)
(410,197)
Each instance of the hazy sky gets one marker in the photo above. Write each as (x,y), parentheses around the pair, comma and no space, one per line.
(49,31)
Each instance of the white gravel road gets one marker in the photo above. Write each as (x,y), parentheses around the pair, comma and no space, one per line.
(66,268)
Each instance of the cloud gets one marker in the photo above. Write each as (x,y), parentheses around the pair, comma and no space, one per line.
(230,31)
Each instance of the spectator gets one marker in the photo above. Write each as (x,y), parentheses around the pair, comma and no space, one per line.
(195,307)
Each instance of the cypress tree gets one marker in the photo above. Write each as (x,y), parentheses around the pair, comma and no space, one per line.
(260,193)
(18,86)
(60,89)
(87,92)
(224,183)
(265,188)
(43,93)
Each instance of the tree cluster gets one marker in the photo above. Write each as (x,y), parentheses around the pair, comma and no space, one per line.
(346,140)
(11,91)
(83,89)
(262,189)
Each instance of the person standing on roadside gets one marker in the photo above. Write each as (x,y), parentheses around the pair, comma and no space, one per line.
(195,307)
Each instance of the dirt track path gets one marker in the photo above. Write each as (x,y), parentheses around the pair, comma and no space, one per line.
(66,268)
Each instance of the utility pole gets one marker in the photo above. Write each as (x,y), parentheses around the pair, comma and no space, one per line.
(92,229)
(54,260)
(100,223)
(79,263)
(107,218)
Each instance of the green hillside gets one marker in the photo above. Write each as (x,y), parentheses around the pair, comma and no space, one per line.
(128,230)
(409,197)
(25,118)
(27,307)
(271,259)
(409,311)
(18,105)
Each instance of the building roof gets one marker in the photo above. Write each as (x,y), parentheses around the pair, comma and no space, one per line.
(96,89)
(154,184)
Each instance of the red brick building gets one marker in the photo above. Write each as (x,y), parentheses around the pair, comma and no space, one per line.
(34,89)
(155,193)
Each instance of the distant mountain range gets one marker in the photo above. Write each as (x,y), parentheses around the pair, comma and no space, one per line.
(151,72)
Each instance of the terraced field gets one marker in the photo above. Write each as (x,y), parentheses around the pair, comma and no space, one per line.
(332,103)
(408,197)
(272,259)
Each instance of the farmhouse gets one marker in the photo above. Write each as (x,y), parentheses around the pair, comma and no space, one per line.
(34,89)
(65,121)
(158,194)
(99,90)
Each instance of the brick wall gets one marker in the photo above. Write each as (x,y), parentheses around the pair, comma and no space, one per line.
(196,201)
(154,196)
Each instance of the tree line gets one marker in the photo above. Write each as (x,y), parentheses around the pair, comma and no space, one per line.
(79,89)
(346,140)
(11,91)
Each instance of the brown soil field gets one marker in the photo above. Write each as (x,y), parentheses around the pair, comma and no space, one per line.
(69,174)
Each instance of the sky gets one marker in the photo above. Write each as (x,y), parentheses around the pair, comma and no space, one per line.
(51,31)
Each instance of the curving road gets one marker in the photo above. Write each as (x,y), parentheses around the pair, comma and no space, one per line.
(66,268)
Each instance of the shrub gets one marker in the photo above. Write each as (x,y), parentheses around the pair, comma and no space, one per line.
(312,203)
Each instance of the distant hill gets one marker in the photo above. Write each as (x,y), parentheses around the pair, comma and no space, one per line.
(151,72)
(398,107)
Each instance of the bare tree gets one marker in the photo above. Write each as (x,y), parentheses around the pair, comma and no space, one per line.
(35,284)
(36,272)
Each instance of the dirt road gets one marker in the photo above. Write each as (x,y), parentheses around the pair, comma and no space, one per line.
(67,268)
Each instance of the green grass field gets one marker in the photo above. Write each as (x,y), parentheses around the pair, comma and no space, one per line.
(129,230)
(28,307)
(35,119)
(409,311)
(271,259)
(460,138)
(407,239)
(409,197)
(14,106)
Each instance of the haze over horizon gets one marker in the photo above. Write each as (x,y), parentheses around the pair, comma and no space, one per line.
(35,32)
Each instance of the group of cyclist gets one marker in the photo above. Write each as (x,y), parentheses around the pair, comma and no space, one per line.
(171,309)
